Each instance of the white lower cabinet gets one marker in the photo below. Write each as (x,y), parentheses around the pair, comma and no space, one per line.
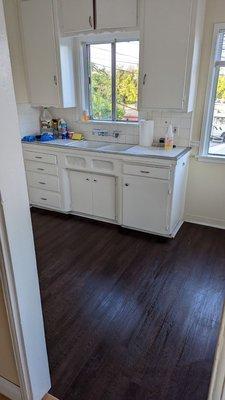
(104,196)
(142,194)
(93,194)
(81,192)
(146,203)
(44,198)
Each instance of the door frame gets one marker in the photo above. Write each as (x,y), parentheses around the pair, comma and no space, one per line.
(8,286)
(217,384)
(18,267)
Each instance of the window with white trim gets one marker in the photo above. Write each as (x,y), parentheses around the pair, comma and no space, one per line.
(214,120)
(111,80)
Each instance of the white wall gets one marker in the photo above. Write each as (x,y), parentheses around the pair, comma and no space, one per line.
(205,200)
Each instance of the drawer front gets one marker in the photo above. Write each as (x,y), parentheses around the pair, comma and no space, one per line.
(43,181)
(44,198)
(147,171)
(40,157)
(41,167)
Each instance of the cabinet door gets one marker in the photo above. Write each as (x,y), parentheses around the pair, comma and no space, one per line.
(81,192)
(145,204)
(75,16)
(40,52)
(104,196)
(164,53)
(116,13)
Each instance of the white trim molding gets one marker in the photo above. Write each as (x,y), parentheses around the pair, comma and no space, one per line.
(201,220)
(209,99)
(9,389)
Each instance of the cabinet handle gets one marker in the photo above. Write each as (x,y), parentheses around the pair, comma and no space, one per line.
(144,79)
(144,172)
(40,169)
(39,157)
(42,183)
(90,22)
(43,198)
(126,184)
(55,80)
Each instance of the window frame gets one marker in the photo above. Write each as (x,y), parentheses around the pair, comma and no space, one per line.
(213,74)
(87,80)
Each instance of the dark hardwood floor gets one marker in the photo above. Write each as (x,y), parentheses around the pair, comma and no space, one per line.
(127,316)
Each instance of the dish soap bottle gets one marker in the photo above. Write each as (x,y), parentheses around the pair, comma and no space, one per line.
(169,138)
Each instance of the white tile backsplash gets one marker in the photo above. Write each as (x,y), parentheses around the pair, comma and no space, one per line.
(29,123)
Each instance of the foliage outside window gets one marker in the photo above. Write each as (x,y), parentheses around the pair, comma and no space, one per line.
(112,80)
(215,107)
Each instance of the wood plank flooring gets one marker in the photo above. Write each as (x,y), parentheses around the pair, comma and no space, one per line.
(129,316)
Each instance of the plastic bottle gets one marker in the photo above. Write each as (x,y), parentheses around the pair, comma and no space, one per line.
(46,120)
(169,138)
(63,129)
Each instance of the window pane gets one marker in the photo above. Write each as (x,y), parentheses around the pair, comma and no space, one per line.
(101,81)
(217,136)
(127,67)
(220,56)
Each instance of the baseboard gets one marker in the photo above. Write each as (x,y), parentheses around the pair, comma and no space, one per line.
(212,222)
(9,389)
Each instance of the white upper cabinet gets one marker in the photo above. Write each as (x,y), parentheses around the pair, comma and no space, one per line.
(116,14)
(170,34)
(49,60)
(75,16)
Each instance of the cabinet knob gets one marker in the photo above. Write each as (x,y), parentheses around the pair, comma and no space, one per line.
(95,180)
(126,184)
(144,79)
(87,179)
(90,22)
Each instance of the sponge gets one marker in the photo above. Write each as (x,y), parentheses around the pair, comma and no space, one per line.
(77,136)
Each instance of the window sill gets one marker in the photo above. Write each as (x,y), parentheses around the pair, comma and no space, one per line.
(211,159)
(122,123)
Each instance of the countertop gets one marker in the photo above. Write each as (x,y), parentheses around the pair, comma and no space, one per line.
(115,148)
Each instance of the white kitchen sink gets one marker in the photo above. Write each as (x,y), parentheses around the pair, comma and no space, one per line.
(86,144)
(116,147)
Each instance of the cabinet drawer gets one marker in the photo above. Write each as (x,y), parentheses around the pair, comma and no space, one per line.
(41,167)
(147,171)
(44,198)
(43,181)
(40,157)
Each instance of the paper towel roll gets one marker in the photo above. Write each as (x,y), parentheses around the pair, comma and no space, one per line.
(146,133)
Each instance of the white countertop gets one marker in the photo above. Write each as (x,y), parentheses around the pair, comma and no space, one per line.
(116,148)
